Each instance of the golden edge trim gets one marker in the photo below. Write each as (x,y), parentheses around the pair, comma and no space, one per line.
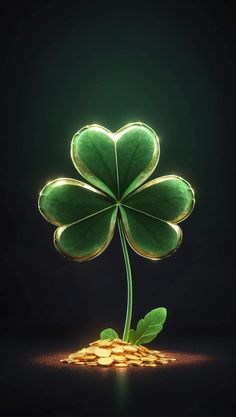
(153,162)
(80,165)
(98,251)
(143,253)
(158,181)
(86,173)
(67,181)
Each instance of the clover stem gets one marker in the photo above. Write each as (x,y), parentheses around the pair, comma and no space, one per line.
(129,282)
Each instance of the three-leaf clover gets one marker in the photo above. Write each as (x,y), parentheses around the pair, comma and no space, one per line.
(117,165)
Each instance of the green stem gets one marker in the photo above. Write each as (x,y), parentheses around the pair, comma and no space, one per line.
(129,282)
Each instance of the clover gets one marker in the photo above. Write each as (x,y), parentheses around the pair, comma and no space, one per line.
(147,214)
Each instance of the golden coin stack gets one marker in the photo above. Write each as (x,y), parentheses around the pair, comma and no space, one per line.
(117,353)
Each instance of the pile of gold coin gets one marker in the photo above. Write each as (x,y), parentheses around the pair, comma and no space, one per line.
(117,353)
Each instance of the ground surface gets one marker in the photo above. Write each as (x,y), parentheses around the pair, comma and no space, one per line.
(34,383)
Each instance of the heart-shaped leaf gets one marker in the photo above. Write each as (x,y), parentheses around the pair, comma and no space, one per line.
(117,163)
(65,201)
(86,239)
(138,150)
(148,236)
(169,198)
(149,327)
(109,334)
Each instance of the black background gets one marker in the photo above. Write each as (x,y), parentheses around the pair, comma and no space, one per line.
(68,64)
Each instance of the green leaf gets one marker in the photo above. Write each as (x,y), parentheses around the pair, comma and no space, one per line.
(132,336)
(117,163)
(149,335)
(148,328)
(168,198)
(93,154)
(88,238)
(65,201)
(138,151)
(156,316)
(109,334)
(150,237)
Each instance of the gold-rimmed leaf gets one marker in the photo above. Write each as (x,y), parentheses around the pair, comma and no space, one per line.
(150,237)
(65,201)
(169,198)
(138,150)
(93,154)
(88,238)
(117,163)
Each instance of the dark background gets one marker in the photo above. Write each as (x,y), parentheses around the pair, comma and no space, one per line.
(67,64)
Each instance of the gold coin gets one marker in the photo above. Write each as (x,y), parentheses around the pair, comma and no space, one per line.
(105,343)
(133,362)
(78,354)
(141,347)
(91,363)
(118,358)
(63,360)
(140,350)
(102,353)
(121,342)
(130,349)
(90,349)
(117,350)
(129,356)
(147,359)
(73,356)
(89,358)
(105,361)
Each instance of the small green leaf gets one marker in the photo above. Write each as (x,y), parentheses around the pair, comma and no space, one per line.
(132,336)
(140,326)
(149,327)
(149,334)
(156,316)
(109,334)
